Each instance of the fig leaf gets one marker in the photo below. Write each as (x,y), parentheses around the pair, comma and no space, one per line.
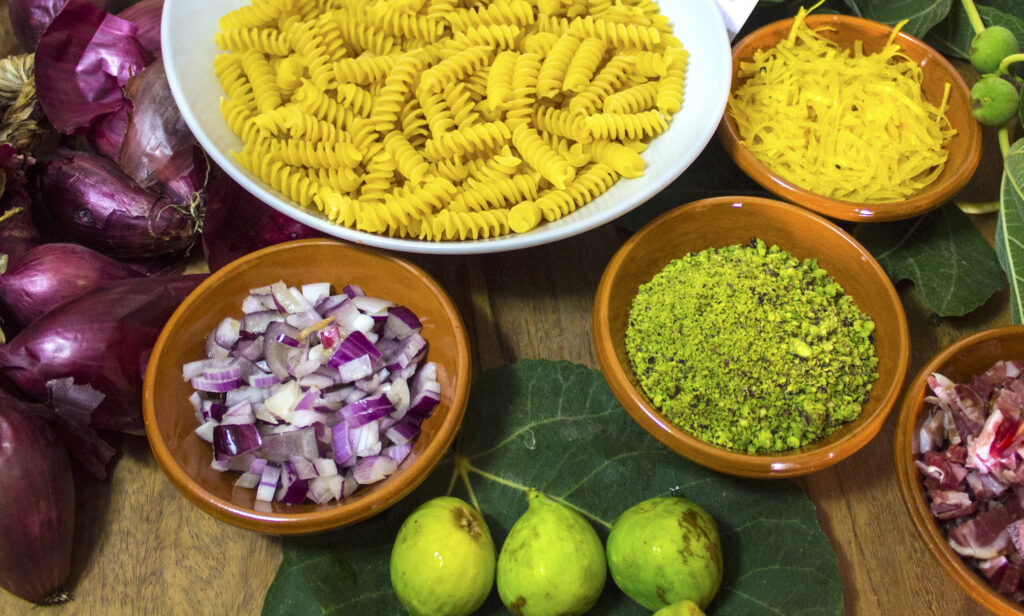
(556,426)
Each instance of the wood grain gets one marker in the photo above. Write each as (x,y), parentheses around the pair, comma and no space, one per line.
(142,549)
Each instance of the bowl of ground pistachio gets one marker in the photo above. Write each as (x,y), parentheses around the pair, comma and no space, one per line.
(751,336)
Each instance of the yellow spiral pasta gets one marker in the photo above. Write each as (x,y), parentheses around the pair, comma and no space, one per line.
(632,100)
(542,157)
(641,125)
(263,80)
(612,76)
(556,64)
(449,225)
(303,153)
(406,24)
(447,120)
(364,69)
(584,63)
(590,183)
(266,40)
(670,89)
(290,181)
(409,161)
(562,122)
(626,161)
(355,98)
(456,67)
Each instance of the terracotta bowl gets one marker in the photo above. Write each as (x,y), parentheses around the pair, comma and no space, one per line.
(959,361)
(964,149)
(725,221)
(170,419)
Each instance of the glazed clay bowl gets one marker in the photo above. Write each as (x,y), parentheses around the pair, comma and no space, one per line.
(964,149)
(959,362)
(725,221)
(170,419)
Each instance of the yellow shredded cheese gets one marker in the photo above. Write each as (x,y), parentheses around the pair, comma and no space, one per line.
(840,123)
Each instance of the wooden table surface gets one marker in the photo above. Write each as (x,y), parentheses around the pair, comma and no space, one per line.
(141,548)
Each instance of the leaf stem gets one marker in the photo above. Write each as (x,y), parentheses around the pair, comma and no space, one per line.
(1004,66)
(464,465)
(973,16)
(462,469)
(1004,140)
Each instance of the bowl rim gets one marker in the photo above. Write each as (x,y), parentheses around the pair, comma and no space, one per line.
(931,197)
(910,486)
(341,514)
(712,98)
(763,466)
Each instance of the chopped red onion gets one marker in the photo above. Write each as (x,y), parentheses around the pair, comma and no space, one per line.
(403,322)
(231,440)
(310,394)
(372,469)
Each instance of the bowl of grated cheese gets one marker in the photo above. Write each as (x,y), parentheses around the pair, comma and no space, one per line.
(850,118)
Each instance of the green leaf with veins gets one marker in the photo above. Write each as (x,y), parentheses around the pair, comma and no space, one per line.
(952,266)
(556,426)
(922,14)
(1010,228)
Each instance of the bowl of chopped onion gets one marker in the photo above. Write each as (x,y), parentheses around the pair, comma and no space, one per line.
(449,128)
(849,117)
(306,386)
(706,349)
(958,454)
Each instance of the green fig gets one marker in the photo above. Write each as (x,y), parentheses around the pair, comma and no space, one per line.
(552,562)
(443,560)
(683,608)
(665,550)
(990,46)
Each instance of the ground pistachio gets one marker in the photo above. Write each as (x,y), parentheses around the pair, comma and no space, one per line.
(749,348)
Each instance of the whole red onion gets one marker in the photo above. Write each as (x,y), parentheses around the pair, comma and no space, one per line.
(82,61)
(37,505)
(157,146)
(101,339)
(91,201)
(51,274)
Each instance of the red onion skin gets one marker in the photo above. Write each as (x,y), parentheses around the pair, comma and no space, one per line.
(37,505)
(146,16)
(225,240)
(91,202)
(108,131)
(30,18)
(82,61)
(102,338)
(51,274)
(157,146)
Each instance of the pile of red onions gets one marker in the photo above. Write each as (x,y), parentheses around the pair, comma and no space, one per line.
(312,394)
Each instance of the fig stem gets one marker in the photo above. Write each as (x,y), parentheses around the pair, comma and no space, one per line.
(973,16)
(1004,66)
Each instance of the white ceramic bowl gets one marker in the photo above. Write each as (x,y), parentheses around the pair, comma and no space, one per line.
(187,32)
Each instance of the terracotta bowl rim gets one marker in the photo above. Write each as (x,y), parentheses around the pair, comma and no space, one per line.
(810,458)
(931,197)
(910,485)
(341,514)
